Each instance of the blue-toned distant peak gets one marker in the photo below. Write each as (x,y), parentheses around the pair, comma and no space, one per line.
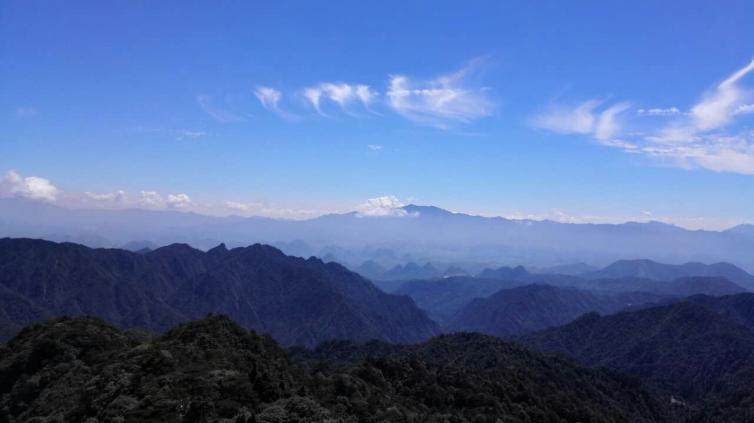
(427,210)
(744,229)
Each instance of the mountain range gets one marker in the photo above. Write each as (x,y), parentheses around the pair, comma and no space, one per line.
(644,349)
(626,270)
(444,298)
(412,233)
(297,301)
(306,301)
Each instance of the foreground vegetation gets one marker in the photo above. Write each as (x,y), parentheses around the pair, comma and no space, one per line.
(82,369)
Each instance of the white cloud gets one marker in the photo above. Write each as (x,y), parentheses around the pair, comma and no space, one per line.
(273,211)
(670,111)
(151,199)
(178,201)
(698,139)
(720,153)
(342,94)
(244,207)
(569,120)
(440,101)
(218,113)
(583,118)
(386,205)
(374,147)
(179,134)
(717,107)
(314,95)
(607,124)
(564,216)
(627,146)
(744,109)
(30,187)
(182,134)
(365,95)
(270,99)
(112,197)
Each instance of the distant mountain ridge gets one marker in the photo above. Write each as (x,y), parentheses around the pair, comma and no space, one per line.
(297,301)
(650,269)
(505,272)
(510,301)
(422,231)
(442,298)
(525,309)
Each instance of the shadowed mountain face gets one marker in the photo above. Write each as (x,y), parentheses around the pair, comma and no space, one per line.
(297,301)
(687,349)
(443,298)
(525,309)
(213,370)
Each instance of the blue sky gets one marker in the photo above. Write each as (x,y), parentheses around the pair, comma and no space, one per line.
(598,111)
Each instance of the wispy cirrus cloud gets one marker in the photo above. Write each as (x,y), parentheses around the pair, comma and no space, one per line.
(270,99)
(607,125)
(345,96)
(562,119)
(586,118)
(219,113)
(702,138)
(669,111)
(716,107)
(441,101)
(179,134)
